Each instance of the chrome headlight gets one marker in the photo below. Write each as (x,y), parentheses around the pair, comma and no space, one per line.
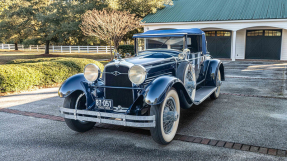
(137,74)
(91,72)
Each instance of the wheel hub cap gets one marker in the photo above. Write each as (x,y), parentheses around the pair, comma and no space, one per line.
(170,115)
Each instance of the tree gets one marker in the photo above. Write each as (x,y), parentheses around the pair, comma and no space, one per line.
(16,23)
(4,4)
(109,25)
(45,21)
(139,7)
(59,23)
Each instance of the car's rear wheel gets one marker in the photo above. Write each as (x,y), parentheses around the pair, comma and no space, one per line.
(77,100)
(216,93)
(167,118)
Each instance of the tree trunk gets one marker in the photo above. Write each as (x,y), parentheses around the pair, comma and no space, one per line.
(116,44)
(47,47)
(16,46)
(111,50)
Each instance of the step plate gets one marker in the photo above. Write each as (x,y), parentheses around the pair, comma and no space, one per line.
(203,93)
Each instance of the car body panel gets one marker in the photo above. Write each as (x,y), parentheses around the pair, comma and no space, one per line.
(72,84)
(161,67)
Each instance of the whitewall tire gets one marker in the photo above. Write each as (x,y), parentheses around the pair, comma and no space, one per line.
(216,93)
(167,118)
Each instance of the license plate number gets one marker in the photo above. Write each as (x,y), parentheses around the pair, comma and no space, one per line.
(105,104)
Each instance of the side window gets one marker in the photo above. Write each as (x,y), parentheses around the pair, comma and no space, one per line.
(194,43)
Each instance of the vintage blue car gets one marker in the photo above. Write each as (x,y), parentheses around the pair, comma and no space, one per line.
(171,70)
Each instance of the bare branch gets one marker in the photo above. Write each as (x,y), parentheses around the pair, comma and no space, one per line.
(108,26)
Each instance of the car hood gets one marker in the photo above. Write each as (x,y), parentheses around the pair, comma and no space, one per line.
(149,58)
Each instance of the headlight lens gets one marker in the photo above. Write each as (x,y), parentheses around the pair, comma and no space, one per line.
(137,74)
(91,72)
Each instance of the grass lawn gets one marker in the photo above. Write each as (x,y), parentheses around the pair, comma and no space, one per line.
(6,56)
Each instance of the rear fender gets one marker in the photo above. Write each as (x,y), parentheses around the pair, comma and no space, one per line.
(212,72)
(155,93)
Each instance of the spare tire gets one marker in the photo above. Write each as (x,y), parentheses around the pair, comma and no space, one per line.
(186,73)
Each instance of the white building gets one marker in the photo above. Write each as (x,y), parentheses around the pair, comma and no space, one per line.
(235,29)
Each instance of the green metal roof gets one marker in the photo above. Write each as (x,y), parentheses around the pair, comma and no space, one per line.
(219,10)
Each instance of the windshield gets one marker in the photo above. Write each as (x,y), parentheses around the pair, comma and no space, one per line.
(176,43)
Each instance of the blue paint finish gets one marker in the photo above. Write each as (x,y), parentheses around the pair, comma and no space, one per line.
(158,64)
(100,89)
(89,97)
(79,83)
(152,56)
(71,85)
(203,44)
(155,93)
(211,75)
(169,33)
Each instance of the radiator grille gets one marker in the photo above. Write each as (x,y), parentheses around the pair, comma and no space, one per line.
(123,97)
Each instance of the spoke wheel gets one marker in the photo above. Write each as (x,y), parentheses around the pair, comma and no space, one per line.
(190,81)
(81,104)
(167,118)
(216,93)
(168,113)
(185,72)
(77,100)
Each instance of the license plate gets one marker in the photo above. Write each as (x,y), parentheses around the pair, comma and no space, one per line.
(105,104)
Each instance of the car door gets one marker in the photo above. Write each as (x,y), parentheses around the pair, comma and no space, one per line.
(194,44)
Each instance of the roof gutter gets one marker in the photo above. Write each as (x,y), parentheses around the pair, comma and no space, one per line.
(211,22)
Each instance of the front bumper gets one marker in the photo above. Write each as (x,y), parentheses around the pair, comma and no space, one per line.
(108,118)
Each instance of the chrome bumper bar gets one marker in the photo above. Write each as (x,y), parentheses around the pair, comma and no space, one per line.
(108,118)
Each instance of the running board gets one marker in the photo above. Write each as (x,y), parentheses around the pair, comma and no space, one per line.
(202,94)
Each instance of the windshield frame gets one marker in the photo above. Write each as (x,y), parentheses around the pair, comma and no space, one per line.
(168,38)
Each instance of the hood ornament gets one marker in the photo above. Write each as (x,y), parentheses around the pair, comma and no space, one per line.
(117,55)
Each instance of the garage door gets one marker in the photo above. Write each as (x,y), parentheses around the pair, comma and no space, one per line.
(219,43)
(263,44)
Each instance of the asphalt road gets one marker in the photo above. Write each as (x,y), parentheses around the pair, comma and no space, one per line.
(246,120)
(26,138)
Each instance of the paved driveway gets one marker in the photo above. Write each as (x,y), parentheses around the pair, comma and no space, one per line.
(256,78)
(256,121)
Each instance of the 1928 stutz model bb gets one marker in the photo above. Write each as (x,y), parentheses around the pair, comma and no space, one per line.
(171,70)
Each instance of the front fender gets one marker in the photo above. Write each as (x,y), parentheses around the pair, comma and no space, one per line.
(72,84)
(155,93)
(211,75)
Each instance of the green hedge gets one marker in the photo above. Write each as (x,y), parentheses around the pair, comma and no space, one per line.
(24,74)
(126,49)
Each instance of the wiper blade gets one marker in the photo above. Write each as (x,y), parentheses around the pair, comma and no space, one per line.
(164,42)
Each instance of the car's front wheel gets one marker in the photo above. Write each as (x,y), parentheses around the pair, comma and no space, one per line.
(166,117)
(77,100)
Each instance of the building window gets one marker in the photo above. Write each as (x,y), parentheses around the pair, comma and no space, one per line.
(272,33)
(255,33)
(210,33)
(223,33)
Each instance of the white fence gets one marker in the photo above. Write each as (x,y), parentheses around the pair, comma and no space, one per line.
(60,49)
